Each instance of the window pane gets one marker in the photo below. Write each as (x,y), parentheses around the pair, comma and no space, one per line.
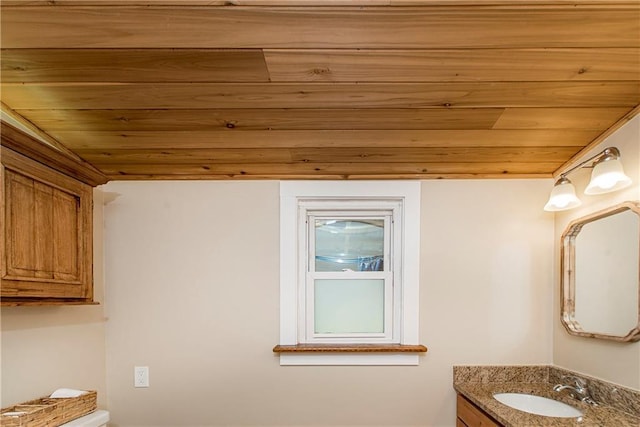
(348,244)
(349,306)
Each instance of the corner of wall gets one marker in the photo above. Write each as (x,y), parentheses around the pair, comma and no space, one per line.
(588,355)
(48,347)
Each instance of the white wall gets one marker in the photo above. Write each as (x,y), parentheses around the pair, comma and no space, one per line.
(192,292)
(46,348)
(611,361)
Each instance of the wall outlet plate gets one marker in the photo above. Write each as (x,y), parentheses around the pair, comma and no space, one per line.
(141,376)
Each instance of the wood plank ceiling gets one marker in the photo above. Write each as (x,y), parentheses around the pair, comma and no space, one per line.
(332,89)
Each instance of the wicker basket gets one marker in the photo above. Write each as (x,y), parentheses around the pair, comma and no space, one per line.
(48,412)
(28,416)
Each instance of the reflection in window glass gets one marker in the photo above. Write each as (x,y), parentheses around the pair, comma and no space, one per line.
(348,244)
(349,306)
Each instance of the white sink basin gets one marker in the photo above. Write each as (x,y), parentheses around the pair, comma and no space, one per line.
(537,405)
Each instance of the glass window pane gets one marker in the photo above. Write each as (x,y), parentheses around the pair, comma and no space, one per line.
(349,244)
(349,306)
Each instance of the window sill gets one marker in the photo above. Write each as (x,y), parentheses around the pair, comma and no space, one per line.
(350,348)
(349,354)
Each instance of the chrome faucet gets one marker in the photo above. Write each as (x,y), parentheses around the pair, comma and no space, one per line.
(578,390)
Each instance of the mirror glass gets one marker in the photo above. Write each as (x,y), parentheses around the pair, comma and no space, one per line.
(601,273)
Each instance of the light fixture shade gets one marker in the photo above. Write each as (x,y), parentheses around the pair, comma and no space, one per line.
(563,196)
(607,176)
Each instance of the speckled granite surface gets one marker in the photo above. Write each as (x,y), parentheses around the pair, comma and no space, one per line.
(619,397)
(501,374)
(618,406)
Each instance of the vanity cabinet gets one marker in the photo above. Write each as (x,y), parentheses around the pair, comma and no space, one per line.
(469,415)
(46,227)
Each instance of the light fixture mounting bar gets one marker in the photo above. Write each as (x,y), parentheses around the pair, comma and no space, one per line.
(609,151)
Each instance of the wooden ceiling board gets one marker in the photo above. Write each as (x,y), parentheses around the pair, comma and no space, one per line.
(328,155)
(295,65)
(133,65)
(307,3)
(318,27)
(381,170)
(325,119)
(446,65)
(433,154)
(559,118)
(163,140)
(321,95)
(310,89)
(280,119)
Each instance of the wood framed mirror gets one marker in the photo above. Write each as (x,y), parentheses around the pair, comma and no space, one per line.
(600,282)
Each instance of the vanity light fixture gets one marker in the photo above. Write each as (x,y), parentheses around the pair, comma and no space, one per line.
(607,176)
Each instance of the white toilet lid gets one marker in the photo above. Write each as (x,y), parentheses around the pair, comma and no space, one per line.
(94,419)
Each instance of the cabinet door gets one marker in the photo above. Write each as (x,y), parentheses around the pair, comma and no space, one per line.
(471,416)
(47,232)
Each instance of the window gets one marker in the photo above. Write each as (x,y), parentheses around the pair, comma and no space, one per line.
(349,269)
(349,259)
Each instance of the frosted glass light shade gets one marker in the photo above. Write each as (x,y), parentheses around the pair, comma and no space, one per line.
(607,176)
(563,197)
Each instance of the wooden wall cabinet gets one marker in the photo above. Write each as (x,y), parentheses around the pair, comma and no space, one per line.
(46,227)
(469,415)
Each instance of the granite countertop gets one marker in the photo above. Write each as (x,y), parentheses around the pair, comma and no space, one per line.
(481,394)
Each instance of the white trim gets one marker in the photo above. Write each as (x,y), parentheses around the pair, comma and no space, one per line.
(382,209)
(288,270)
(361,359)
(290,193)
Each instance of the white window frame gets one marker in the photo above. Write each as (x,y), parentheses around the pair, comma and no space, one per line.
(295,196)
(386,209)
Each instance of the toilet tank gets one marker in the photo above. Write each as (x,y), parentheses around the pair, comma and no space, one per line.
(99,418)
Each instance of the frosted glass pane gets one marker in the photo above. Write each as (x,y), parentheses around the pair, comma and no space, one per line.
(349,306)
(356,245)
